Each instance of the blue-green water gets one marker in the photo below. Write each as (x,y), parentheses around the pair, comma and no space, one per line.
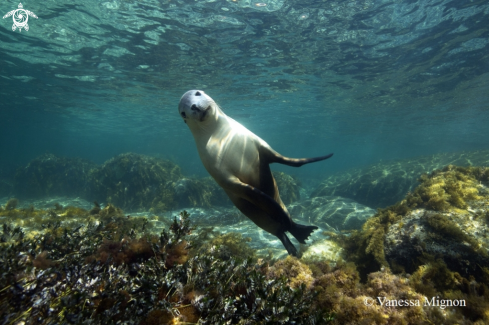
(371,80)
(394,88)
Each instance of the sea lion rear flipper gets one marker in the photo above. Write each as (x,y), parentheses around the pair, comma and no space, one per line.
(271,156)
(301,232)
(287,244)
(261,200)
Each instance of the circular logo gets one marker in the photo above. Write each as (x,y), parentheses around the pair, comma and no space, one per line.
(20,18)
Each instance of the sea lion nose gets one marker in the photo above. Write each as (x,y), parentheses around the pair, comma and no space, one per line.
(194,108)
(197,93)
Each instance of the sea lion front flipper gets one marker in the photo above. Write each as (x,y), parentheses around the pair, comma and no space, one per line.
(271,156)
(261,200)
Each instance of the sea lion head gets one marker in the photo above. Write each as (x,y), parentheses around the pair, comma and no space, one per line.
(195,106)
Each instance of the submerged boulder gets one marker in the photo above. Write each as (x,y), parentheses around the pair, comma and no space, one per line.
(386,183)
(50,175)
(441,226)
(214,216)
(192,192)
(459,239)
(334,213)
(135,182)
(288,187)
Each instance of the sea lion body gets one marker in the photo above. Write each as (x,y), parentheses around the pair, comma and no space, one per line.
(239,162)
(239,157)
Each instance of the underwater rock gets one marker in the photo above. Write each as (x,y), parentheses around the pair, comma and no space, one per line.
(190,192)
(135,182)
(220,220)
(334,213)
(451,223)
(442,222)
(52,202)
(266,244)
(108,267)
(49,175)
(385,183)
(329,213)
(223,246)
(11,204)
(459,238)
(259,240)
(288,186)
(324,250)
(214,216)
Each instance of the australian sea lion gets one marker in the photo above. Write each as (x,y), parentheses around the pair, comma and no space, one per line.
(239,162)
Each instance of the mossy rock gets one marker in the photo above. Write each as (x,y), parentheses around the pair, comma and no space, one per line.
(49,175)
(331,213)
(135,182)
(445,217)
(288,187)
(386,183)
(191,192)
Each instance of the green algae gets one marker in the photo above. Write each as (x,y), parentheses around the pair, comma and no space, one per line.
(69,275)
(385,183)
(204,192)
(223,246)
(445,195)
(133,181)
(50,175)
(11,204)
(288,186)
(443,190)
(222,280)
(447,189)
(38,220)
(120,271)
(450,229)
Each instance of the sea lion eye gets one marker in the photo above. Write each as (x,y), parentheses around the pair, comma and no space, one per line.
(197,93)
(183,114)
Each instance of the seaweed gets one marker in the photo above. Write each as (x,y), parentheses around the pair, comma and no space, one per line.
(289,187)
(446,189)
(135,182)
(86,274)
(223,246)
(450,229)
(442,190)
(296,272)
(192,192)
(11,204)
(50,175)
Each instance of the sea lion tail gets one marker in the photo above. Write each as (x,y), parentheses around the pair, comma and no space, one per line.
(301,232)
